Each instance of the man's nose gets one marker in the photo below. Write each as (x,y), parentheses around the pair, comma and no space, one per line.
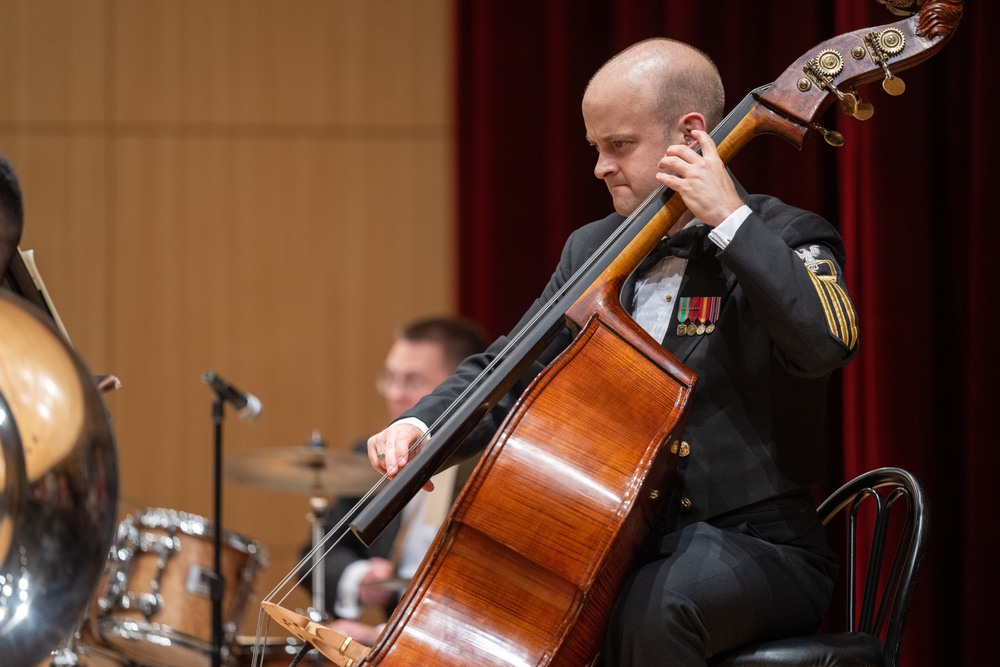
(605,167)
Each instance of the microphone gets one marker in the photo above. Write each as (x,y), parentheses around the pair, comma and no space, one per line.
(247,405)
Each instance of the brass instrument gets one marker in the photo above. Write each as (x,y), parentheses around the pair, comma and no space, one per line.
(58,483)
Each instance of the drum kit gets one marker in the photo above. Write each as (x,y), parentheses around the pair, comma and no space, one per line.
(153,607)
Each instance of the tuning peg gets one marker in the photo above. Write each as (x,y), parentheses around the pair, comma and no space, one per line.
(848,102)
(892,84)
(882,46)
(865,110)
(832,137)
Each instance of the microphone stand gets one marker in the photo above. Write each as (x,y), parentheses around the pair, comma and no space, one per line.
(218,584)
(249,407)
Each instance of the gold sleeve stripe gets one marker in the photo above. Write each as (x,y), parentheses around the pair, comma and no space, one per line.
(839,311)
(845,313)
(825,302)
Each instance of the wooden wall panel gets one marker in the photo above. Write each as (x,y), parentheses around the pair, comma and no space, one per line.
(53,55)
(379,62)
(262,188)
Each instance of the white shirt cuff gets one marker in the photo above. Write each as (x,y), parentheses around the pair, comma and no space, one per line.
(347,605)
(413,421)
(723,234)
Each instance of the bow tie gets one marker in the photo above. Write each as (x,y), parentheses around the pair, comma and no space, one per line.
(685,244)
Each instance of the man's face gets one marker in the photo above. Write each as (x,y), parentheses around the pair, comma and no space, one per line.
(412,370)
(630,140)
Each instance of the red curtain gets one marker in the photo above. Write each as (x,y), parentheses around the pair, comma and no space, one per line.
(909,192)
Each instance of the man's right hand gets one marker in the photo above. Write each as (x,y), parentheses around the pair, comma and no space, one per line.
(390,449)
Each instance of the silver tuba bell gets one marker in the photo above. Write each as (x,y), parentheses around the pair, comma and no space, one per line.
(58,485)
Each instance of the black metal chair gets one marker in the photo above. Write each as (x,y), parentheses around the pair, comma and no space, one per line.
(875,626)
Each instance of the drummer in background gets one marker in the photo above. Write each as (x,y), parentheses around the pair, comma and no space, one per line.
(11,214)
(424,353)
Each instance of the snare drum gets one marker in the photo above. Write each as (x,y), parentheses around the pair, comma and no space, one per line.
(156,608)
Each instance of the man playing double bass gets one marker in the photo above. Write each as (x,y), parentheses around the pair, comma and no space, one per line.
(756,306)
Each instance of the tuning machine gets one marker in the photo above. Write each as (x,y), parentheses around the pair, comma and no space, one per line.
(822,70)
(865,110)
(832,137)
(882,46)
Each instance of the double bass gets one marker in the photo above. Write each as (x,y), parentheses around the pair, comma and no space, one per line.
(527,565)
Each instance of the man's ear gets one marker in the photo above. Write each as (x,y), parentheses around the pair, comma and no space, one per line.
(691,121)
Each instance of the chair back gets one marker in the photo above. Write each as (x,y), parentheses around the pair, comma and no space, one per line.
(884,597)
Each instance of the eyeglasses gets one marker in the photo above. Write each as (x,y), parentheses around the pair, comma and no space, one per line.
(410,382)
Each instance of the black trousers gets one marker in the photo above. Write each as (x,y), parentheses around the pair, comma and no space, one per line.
(761,574)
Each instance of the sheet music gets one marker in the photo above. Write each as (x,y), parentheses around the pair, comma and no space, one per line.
(28,256)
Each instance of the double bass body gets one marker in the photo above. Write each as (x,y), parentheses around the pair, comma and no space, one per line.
(582,450)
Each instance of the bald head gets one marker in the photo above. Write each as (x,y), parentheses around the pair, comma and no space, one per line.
(649,97)
(666,77)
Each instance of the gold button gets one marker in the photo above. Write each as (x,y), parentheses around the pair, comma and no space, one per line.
(684,449)
(673,447)
(669,298)
(686,504)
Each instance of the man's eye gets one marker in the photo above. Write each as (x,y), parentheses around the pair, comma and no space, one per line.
(619,144)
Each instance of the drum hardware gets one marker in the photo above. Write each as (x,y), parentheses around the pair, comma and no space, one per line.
(148,604)
(318,504)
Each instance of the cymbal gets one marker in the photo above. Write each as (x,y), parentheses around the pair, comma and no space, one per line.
(305,470)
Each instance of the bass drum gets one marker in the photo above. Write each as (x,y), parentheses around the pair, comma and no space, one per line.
(58,485)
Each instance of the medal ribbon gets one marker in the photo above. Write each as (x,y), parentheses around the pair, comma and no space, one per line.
(683,307)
